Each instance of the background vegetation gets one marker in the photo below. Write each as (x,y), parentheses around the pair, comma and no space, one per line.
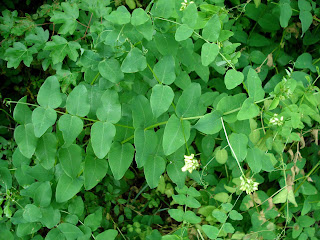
(104,103)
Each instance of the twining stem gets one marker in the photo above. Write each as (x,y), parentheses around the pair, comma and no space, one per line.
(234,154)
(153,73)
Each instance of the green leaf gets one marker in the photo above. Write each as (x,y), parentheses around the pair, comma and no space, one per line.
(134,61)
(254,85)
(254,159)
(54,233)
(19,52)
(239,144)
(285,13)
(22,113)
(50,217)
(42,119)
(191,217)
(120,158)
(160,99)
(25,229)
(110,234)
(308,189)
(68,18)
(165,70)
(190,15)
(188,103)
(234,215)
(219,215)
(305,61)
(46,150)
(209,52)
(26,140)
(31,213)
(306,221)
(110,110)
(121,16)
(211,231)
(281,197)
(305,15)
(163,8)
(102,134)
(141,112)
(71,127)
(211,30)
(233,78)
(110,69)
(192,202)
(49,95)
(176,214)
(67,188)
(248,110)
(70,159)
(176,133)
(210,123)
(70,231)
(175,173)
(77,101)
(94,171)
(38,38)
(153,169)
(5,178)
(183,32)
(166,44)
(60,48)
(43,194)
(145,142)
(139,17)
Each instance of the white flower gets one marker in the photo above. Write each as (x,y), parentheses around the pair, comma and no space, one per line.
(276,121)
(185,4)
(248,185)
(190,163)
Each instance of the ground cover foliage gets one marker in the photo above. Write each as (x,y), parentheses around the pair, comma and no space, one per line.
(160,120)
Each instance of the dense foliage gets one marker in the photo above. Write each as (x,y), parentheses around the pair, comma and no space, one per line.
(160,120)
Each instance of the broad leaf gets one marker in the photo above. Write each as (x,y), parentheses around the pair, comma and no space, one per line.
(285,13)
(22,113)
(43,194)
(165,70)
(31,213)
(70,231)
(67,188)
(102,134)
(70,159)
(120,158)
(71,127)
(139,17)
(94,171)
(110,109)
(19,52)
(42,119)
(188,103)
(233,78)
(153,169)
(141,112)
(248,110)
(77,101)
(121,16)
(190,15)
(163,8)
(161,99)
(254,85)
(176,174)
(211,30)
(145,142)
(134,62)
(26,140)
(110,234)
(210,123)
(209,52)
(254,159)
(183,32)
(176,133)
(239,145)
(110,69)
(49,94)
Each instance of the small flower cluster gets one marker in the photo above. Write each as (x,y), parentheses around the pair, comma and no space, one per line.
(185,4)
(276,121)
(248,185)
(190,163)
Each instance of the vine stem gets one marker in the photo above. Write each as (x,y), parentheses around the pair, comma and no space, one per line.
(234,154)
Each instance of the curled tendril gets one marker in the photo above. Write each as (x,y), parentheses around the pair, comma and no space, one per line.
(7,102)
